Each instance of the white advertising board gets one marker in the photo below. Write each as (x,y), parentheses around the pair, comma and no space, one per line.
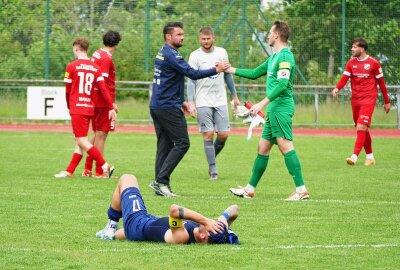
(47,103)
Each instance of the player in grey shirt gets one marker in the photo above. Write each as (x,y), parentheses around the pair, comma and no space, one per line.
(209,97)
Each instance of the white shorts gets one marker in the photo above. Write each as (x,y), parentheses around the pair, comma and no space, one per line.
(213,119)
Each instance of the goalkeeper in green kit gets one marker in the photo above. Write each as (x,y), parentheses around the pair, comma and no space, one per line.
(280,69)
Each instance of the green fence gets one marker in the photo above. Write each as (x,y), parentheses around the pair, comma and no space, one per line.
(36,35)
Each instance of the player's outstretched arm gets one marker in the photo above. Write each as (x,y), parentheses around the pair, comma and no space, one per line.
(222,66)
(230,214)
(180,212)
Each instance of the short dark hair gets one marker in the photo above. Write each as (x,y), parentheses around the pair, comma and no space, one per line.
(219,237)
(360,42)
(169,27)
(282,29)
(82,42)
(206,30)
(111,38)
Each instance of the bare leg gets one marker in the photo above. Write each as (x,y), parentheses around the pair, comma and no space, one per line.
(100,140)
(126,181)
(111,231)
(83,143)
(120,234)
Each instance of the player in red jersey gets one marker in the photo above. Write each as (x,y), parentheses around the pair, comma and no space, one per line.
(81,76)
(364,72)
(101,123)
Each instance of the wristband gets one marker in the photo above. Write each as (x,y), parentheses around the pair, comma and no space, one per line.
(175,222)
(181,213)
(225,214)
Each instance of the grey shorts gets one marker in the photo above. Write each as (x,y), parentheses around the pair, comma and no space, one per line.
(213,119)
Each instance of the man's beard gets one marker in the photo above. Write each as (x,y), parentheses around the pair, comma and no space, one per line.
(178,45)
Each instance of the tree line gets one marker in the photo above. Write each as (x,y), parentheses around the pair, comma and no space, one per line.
(316,38)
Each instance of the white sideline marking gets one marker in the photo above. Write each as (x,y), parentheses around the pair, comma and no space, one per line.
(218,198)
(352,202)
(335,246)
(161,247)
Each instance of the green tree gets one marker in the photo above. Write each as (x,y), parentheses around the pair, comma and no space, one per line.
(317,30)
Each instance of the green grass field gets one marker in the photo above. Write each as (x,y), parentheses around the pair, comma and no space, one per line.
(13,110)
(351,222)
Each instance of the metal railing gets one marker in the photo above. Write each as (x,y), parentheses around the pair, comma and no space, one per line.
(306,96)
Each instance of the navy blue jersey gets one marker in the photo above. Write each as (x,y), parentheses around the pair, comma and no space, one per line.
(142,226)
(170,70)
(155,230)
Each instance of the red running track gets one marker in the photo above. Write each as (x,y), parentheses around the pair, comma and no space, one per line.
(317,132)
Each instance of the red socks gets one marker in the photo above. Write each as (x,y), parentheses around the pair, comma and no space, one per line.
(99,169)
(368,144)
(76,158)
(360,141)
(89,163)
(95,154)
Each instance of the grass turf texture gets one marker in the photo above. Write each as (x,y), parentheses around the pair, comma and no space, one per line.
(13,110)
(352,221)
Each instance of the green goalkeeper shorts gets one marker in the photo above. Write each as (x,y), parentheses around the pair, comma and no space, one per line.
(278,125)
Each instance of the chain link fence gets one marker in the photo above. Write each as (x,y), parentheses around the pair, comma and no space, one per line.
(36,37)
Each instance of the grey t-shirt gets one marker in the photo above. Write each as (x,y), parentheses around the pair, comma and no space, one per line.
(210,91)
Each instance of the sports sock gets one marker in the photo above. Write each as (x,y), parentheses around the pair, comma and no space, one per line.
(249,188)
(218,146)
(368,143)
(369,156)
(76,158)
(99,169)
(113,214)
(88,163)
(96,155)
(293,165)
(359,144)
(259,167)
(301,189)
(210,155)
(354,157)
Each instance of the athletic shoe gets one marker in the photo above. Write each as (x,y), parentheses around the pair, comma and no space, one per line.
(214,176)
(295,196)
(87,173)
(108,173)
(99,175)
(162,189)
(156,193)
(241,192)
(351,161)
(63,174)
(108,232)
(369,162)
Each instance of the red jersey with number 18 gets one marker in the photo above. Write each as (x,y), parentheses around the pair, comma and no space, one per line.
(364,75)
(80,78)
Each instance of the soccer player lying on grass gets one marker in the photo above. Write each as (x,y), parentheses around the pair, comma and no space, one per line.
(183,226)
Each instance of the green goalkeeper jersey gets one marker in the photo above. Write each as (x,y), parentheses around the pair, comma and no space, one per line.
(280,70)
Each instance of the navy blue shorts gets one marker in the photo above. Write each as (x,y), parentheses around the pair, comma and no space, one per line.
(135,214)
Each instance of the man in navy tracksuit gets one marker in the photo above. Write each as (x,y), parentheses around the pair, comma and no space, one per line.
(167,102)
